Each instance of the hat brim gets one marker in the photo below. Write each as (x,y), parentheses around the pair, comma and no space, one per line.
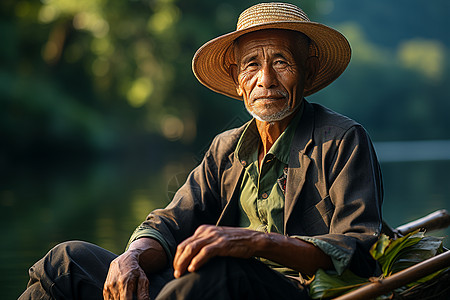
(211,62)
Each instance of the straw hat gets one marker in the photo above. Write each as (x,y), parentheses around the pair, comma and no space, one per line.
(212,61)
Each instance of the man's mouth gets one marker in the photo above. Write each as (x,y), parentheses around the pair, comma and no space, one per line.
(269,98)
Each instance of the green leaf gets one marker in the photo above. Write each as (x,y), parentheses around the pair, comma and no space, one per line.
(424,249)
(327,285)
(389,253)
(393,256)
(380,246)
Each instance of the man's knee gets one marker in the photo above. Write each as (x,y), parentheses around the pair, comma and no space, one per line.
(220,278)
(66,256)
(73,249)
(233,278)
(76,248)
(71,268)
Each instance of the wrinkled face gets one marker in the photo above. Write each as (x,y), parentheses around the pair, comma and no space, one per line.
(271,72)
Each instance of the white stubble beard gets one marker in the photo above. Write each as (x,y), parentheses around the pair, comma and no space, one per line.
(285,112)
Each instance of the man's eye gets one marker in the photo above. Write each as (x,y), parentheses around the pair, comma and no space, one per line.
(251,66)
(280,63)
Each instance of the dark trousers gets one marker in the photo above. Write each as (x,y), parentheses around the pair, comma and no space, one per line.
(77,270)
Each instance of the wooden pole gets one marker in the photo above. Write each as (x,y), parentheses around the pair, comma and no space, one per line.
(437,220)
(411,274)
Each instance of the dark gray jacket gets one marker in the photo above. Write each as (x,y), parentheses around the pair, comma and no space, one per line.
(333,188)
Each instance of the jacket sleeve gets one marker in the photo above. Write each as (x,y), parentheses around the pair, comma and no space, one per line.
(196,202)
(199,201)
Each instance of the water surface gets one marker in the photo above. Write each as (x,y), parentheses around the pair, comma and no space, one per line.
(103,202)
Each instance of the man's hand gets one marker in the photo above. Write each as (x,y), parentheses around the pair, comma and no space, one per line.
(127,273)
(209,241)
(126,277)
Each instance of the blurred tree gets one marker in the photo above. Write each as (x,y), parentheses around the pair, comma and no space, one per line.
(398,92)
(85,77)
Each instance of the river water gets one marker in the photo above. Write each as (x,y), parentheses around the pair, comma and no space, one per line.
(103,202)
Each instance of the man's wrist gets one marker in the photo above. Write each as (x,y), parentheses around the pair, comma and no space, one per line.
(136,253)
(264,242)
(149,254)
(141,244)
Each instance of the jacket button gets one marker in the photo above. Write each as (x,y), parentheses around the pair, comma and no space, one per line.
(264,195)
(243,162)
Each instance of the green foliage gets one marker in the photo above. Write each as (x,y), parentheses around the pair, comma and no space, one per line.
(405,252)
(397,92)
(392,255)
(327,285)
(106,71)
(389,252)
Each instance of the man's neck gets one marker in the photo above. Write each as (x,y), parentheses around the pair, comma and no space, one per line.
(269,133)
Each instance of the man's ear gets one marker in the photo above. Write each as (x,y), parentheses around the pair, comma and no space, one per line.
(312,67)
(234,72)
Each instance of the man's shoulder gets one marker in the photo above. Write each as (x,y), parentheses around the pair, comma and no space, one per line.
(330,125)
(226,141)
(325,117)
(230,135)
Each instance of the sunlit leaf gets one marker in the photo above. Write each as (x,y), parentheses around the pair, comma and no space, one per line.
(380,246)
(330,285)
(426,248)
(392,255)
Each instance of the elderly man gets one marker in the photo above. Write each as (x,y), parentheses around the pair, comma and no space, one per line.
(296,189)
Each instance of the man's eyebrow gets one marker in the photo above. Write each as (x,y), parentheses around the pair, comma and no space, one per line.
(248,58)
(283,56)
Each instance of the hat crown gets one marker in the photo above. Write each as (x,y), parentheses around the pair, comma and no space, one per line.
(264,13)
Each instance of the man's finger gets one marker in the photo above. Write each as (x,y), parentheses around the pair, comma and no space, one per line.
(109,293)
(203,256)
(127,292)
(181,247)
(183,258)
(106,293)
(186,252)
(142,292)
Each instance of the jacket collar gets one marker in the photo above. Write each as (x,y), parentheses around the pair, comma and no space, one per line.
(298,160)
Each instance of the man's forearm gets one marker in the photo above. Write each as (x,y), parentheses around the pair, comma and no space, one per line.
(152,257)
(292,252)
(209,241)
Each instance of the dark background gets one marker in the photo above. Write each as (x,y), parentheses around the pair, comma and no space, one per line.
(101,117)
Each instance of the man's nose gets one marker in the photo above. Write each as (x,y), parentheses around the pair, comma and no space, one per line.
(267,77)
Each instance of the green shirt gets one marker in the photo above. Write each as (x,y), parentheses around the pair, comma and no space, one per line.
(262,191)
